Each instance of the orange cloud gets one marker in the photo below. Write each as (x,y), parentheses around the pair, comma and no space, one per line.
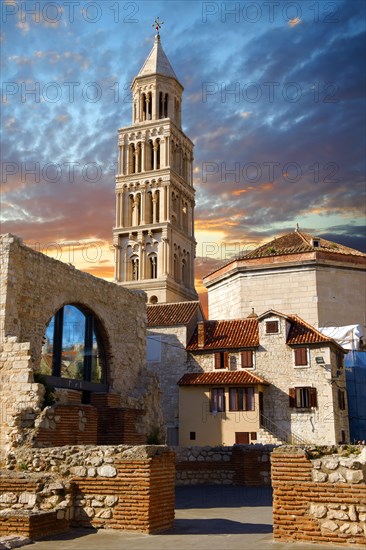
(293,22)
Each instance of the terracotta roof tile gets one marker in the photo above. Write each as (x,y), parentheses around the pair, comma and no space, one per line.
(178,313)
(293,243)
(303,333)
(233,334)
(227,377)
(297,241)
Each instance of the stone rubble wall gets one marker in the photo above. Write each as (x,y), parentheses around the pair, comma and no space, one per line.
(236,465)
(33,288)
(88,486)
(320,494)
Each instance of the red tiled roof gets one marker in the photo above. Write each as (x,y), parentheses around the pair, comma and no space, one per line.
(297,241)
(303,333)
(294,243)
(233,334)
(227,377)
(243,333)
(164,315)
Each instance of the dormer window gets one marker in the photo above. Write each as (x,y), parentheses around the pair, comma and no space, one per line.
(316,243)
(272,327)
(221,360)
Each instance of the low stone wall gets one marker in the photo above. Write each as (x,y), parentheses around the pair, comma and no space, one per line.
(319,494)
(119,487)
(236,465)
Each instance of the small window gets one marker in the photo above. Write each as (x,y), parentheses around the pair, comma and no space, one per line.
(301,357)
(341,400)
(340,360)
(153,348)
(247,359)
(221,360)
(253,436)
(272,327)
(217,403)
(303,398)
(241,399)
(192,436)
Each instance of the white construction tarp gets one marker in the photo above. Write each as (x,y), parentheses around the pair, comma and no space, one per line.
(348,337)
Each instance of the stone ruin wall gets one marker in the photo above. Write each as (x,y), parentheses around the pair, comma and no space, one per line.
(320,494)
(232,465)
(44,491)
(33,288)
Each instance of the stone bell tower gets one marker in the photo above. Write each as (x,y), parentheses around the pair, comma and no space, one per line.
(154,231)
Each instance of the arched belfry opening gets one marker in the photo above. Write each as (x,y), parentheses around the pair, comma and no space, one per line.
(155,196)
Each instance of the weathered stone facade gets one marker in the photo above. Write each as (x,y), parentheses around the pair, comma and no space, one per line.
(273,360)
(33,288)
(320,499)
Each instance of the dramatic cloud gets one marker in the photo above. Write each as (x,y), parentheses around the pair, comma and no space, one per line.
(274,101)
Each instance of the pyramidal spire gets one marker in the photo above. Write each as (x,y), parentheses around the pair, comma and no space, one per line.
(157,62)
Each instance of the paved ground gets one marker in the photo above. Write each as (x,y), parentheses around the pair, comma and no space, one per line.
(212,518)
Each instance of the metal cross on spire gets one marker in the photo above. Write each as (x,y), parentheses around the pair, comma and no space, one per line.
(157,24)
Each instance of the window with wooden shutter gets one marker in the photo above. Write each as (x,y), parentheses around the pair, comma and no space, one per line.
(303,398)
(241,399)
(292,397)
(301,357)
(247,359)
(272,327)
(217,401)
(313,397)
(221,360)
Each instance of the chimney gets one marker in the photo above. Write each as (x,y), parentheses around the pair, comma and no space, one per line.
(201,334)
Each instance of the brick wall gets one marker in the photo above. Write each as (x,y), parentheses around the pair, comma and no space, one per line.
(32,525)
(318,511)
(77,424)
(130,488)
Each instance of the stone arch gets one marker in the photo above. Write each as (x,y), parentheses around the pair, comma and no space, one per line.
(93,322)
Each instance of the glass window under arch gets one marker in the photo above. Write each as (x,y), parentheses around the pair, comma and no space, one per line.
(72,347)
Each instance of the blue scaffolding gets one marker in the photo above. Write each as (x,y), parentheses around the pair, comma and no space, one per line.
(355,365)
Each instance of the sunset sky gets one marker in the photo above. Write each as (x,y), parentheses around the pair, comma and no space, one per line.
(273,101)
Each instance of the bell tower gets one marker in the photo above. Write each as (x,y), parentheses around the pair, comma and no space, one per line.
(154,227)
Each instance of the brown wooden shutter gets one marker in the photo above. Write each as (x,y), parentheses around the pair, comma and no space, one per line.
(271,327)
(217,360)
(313,398)
(226,359)
(292,396)
(301,356)
(247,359)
